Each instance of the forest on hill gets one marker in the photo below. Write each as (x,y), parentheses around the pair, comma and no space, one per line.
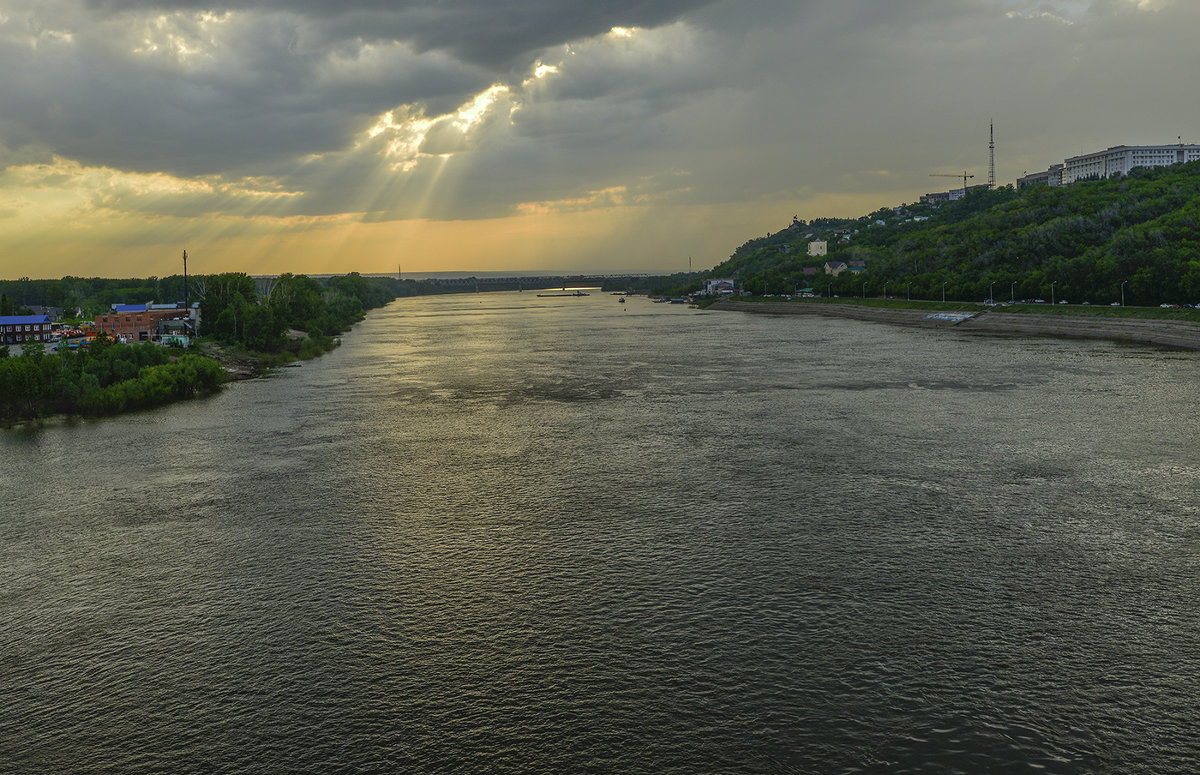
(1080,242)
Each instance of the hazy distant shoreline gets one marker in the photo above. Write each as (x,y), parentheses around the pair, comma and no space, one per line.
(1165,333)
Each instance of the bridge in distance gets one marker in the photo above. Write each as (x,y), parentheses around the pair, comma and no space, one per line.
(475,284)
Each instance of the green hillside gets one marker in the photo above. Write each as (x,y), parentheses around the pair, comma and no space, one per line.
(1087,238)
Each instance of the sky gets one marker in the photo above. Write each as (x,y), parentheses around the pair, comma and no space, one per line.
(328,136)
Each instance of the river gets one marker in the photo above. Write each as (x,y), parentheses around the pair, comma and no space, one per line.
(502,533)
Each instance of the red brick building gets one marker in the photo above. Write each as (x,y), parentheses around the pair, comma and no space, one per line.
(135,325)
(15,329)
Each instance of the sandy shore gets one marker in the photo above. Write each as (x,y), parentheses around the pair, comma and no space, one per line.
(1166,333)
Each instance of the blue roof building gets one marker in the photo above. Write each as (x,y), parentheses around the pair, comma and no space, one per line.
(15,329)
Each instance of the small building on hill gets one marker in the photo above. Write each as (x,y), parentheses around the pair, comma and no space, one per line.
(818,248)
(834,268)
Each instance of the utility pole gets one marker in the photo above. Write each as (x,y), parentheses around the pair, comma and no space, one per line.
(186,301)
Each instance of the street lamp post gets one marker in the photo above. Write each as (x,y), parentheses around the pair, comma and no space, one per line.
(992,293)
(885,285)
(1052,291)
(864,289)
(943,293)
(1123,292)
(908,292)
(1012,292)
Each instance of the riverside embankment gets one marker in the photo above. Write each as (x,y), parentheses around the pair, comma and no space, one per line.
(1166,333)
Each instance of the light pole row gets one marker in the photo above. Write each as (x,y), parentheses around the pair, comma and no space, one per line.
(1012,291)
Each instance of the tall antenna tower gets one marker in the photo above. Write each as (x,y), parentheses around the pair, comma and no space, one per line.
(187,302)
(991,155)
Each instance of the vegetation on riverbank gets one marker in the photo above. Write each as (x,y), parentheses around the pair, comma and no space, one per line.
(233,314)
(243,335)
(106,378)
(1135,236)
(94,296)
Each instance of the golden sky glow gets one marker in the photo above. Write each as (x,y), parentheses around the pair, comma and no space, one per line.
(267,139)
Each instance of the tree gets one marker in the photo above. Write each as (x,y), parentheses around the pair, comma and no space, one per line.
(33,349)
(224,296)
(296,300)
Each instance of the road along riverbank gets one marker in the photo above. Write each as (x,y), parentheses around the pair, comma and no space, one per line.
(1165,333)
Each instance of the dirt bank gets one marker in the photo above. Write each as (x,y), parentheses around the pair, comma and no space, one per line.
(1166,333)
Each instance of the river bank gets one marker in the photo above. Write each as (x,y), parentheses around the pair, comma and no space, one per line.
(1165,333)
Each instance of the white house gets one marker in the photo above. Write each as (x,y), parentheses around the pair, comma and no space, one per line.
(719,286)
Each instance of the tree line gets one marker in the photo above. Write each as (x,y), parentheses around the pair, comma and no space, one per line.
(232,311)
(110,377)
(105,378)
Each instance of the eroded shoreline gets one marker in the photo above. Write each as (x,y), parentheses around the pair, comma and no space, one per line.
(1163,333)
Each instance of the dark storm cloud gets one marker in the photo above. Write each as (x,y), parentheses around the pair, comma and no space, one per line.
(493,34)
(280,80)
(711,101)
(274,88)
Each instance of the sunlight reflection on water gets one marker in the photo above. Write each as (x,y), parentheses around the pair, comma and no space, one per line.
(501,533)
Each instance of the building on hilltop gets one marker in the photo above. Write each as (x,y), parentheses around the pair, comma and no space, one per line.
(1120,159)
(953,195)
(1051,177)
(818,248)
(1117,160)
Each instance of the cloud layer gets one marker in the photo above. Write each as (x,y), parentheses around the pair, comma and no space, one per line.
(130,122)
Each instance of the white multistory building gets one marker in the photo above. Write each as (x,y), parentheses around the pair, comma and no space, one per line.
(1118,160)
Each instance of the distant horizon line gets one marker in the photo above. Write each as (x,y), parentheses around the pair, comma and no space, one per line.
(416,275)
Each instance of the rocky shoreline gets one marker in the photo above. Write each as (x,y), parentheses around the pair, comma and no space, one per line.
(1164,333)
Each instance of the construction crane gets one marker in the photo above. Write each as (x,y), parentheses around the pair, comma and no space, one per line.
(964,177)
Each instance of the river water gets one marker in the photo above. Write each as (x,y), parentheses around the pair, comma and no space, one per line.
(498,533)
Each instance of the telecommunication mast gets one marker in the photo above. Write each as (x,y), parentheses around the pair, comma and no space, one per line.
(991,155)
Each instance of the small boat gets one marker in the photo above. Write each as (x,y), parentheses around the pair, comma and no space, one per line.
(621,300)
